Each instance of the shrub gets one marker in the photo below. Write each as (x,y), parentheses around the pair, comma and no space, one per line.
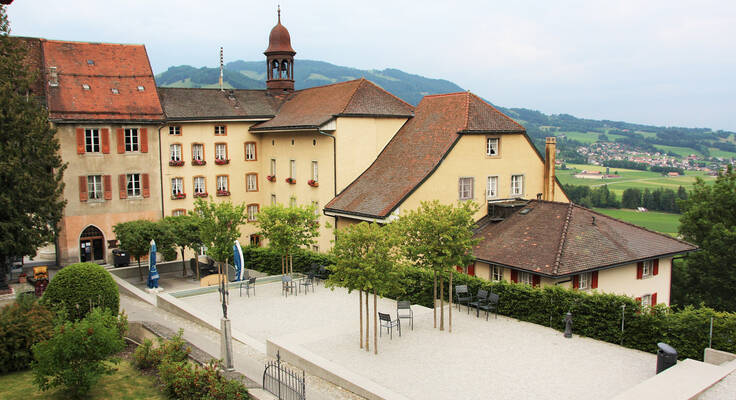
(80,287)
(78,353)
(185,380)
(265,259)
(22,324)
(173,350)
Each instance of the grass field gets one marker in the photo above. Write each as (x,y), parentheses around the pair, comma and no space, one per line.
(714,152)
(680,151)
(126,384)
(656,221)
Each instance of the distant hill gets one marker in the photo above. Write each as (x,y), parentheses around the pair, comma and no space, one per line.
(411,88)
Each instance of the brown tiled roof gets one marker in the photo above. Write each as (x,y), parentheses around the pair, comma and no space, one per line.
(193,104)
(119,66)
(313,107)
(558,239)
(417,150)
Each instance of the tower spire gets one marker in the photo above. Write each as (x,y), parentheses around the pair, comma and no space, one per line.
(278,11)
(221,67)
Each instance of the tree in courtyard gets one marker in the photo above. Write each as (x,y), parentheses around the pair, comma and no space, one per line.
(366,257)
(438,237)
(709,221)
(287,229)
(31,168)
(184,232)
(135,237)
(219,226)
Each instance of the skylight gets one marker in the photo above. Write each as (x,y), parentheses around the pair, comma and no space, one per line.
(115,91)
(90,62)
(85,86)
(141,88)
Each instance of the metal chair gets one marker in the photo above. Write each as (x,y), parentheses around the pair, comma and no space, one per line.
(308,281)
(286,285)
(249,284)
(480,300)
(462,295)
(490,305)
(403,310)
(387,323)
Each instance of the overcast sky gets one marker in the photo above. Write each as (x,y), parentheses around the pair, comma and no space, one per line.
(662,62)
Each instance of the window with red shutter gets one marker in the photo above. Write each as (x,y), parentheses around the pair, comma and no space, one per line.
(82,188)
(121,141)
(639,269)
(594,280)
(655,267)
(105,140)
(536,280)
(146,189)
(654,299)
(80,141)
(514,276)
(471,269)
(576,282)
(144,141)
(123,186)
(107,186)
(638,300)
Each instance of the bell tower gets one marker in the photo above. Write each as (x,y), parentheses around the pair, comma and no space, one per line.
(279,60)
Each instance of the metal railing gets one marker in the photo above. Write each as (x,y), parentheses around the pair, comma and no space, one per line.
(283,382)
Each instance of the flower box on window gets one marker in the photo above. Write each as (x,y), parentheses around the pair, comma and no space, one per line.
(220,161)
(199,162)
(178,196)
(221,193)
(173,163)
(201,194)
(271,178)
(312,183)
(290,181)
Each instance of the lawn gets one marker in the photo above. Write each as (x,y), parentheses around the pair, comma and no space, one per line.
(126,384)
(681,151)
(653,220)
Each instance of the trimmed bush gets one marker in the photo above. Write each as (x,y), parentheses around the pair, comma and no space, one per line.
(22,324)
(80,287)
(264,259)
(185,380)
(596,315)
(173,350)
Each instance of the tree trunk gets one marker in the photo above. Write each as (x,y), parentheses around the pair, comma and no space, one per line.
(434,299)
(450,316)
(442,303)
(183,263)
(291,263)
(360,303)
(282,264)
(140,270)
(375,323)
(367,324)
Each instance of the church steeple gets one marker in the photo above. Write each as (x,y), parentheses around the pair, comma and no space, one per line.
(279,59)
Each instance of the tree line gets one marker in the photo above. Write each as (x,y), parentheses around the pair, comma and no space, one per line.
(660,199)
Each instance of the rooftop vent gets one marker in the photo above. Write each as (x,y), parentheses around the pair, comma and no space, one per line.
(53,77)
(141,88)
(115,91)
(85,86)
(525,211)
(90,62)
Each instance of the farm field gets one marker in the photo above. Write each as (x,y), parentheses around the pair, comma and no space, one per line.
(654,220)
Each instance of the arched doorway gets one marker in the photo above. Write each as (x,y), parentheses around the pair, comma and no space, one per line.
(91,245)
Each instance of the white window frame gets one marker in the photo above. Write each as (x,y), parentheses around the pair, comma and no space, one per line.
(646,300)
(177,186)
(250,151)
(92,140)
(200,185)
(222,183)
(647,269)
(252,212)
(133,184)
(492,187)
(465,187)
(496,273)
(203,250)
(175,152)
(179,212)
(273,167)
(132,140)
(175,130)
(220,130)
(94,187)
(292,169)
(492,146)
(315,171)
(251,182)
(198,151)
(585,281)
(517,185)
(526,278)
(221,151)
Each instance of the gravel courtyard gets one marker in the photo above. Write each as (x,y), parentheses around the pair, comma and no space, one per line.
(500,358)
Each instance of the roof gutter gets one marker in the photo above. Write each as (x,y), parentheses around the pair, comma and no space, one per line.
(356,216)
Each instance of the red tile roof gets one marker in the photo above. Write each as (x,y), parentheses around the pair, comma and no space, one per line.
(417,150)
(558,239)
(103,67)
(313,107)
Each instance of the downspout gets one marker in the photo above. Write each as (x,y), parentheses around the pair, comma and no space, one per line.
(161,170)
(334,170)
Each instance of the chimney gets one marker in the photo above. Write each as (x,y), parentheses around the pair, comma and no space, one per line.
(549,169)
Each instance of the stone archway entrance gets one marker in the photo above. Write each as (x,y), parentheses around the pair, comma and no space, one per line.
(92,245)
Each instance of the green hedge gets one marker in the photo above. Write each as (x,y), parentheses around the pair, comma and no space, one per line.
(22,324)
(264,259)
(595,315)
(81,287)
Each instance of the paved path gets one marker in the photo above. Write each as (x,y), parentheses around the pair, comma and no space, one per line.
(247,361)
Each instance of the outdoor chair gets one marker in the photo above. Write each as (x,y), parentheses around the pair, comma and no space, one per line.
(308,281)
(480,300)
(387,323)
(462,296)
(403,310)
(286,285)
(248,284)
(490,305)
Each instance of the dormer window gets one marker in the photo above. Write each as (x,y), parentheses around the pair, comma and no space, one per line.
(85,86)
(115,91)
(141,88)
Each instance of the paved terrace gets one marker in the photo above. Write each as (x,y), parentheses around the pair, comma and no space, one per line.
(498,358)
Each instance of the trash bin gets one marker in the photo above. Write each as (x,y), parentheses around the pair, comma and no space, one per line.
(666,356)
(122,258)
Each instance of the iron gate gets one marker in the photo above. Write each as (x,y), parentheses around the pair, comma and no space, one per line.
(283,382)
